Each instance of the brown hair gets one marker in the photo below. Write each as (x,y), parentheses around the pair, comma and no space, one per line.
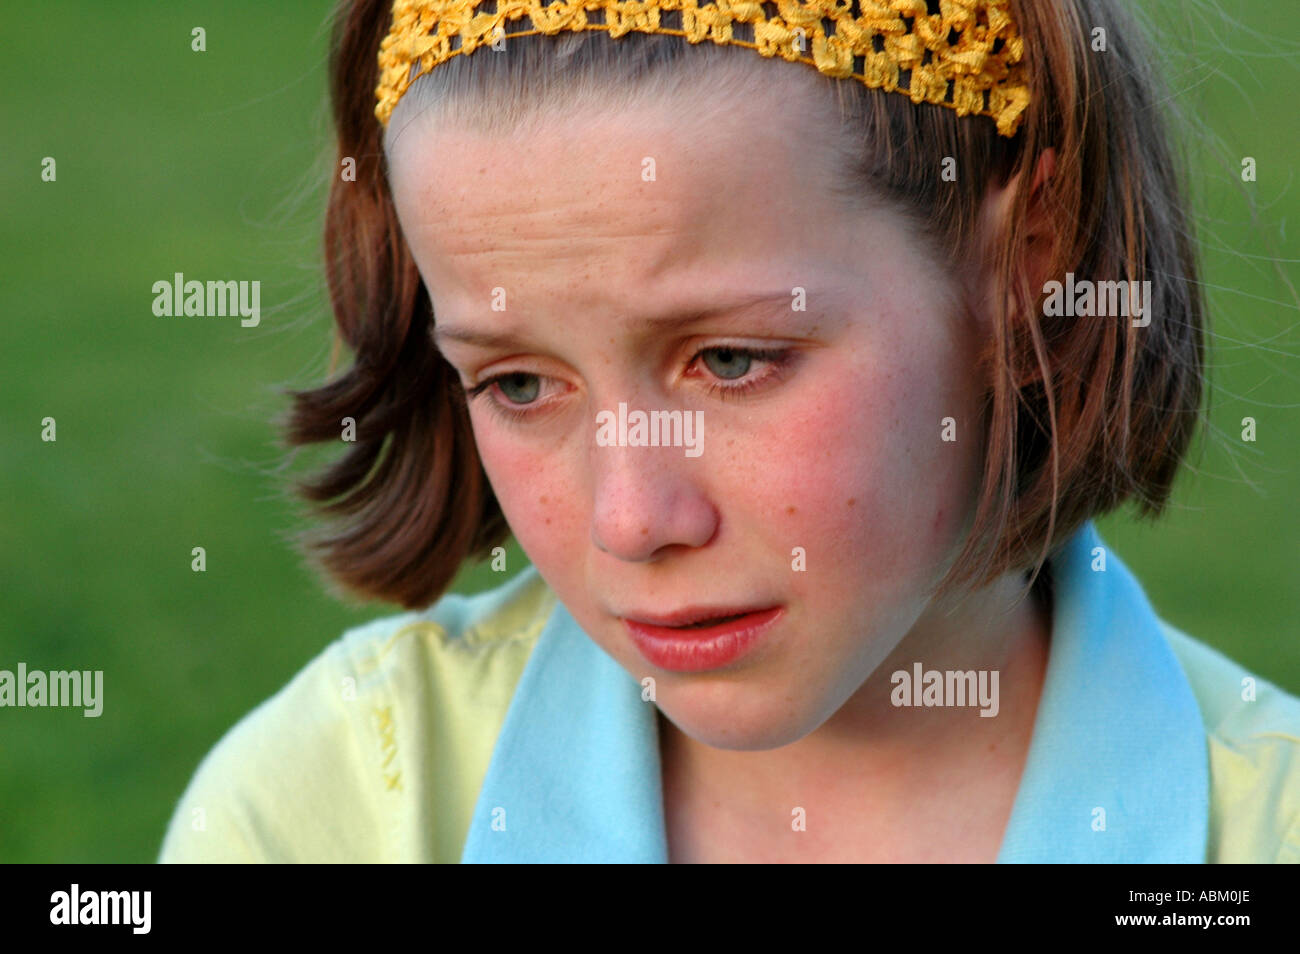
(1082,414)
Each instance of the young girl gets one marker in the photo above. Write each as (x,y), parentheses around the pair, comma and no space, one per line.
(798,345)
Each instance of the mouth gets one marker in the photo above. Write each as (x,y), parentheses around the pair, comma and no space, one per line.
(701,640)
(694,617)
(713,621)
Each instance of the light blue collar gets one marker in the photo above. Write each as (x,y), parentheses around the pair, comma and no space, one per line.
(574,776)
(1118,730)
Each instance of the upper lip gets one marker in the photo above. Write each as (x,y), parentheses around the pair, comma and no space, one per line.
(692,614)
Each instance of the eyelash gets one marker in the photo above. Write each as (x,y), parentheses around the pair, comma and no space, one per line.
(777,358)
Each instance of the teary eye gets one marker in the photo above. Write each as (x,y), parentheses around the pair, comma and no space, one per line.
(521,389)
(737,358)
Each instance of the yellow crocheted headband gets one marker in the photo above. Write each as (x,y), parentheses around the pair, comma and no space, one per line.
(967,56)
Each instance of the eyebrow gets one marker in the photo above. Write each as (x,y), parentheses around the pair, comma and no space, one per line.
(671,321)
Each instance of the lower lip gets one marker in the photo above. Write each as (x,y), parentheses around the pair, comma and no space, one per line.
(709,647)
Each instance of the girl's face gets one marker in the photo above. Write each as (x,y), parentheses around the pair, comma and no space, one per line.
(604,256)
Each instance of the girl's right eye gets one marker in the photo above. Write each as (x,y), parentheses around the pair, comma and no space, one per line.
(505,382)
(509,380)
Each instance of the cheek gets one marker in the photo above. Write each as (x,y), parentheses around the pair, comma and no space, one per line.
(860,471)
(534,486)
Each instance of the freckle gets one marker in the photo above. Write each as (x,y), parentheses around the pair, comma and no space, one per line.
(851,501)
(542,499)
(789,509)
(645,531)
(548,521)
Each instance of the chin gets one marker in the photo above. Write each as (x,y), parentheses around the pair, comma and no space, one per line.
(725,723)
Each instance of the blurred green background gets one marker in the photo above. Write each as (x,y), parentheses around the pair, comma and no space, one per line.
(216,164)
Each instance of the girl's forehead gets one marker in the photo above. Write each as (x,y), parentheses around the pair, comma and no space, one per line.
(614,197)
(721,139)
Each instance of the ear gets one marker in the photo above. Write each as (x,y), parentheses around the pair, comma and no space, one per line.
(1038,236)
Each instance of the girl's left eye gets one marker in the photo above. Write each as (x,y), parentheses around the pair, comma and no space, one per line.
(738,360)
(731,363)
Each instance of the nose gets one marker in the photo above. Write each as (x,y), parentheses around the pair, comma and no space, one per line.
(648,500)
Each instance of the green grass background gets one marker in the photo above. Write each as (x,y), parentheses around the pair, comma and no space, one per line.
(215,164)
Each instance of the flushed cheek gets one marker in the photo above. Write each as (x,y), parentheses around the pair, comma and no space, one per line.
(834,462)
(855,478)
(535,494)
